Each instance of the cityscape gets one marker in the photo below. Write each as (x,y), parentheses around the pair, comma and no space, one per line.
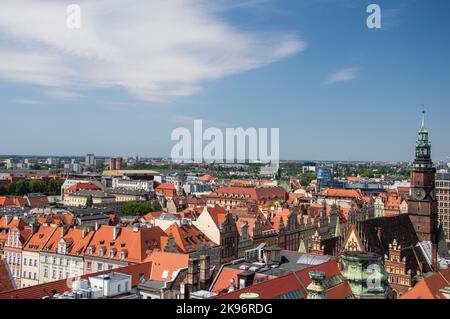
(158,200)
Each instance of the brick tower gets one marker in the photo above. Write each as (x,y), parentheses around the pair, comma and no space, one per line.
(422,204)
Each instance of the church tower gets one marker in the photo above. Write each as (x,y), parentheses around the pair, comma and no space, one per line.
(422,205)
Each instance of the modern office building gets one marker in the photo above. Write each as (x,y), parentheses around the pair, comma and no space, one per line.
(443,199)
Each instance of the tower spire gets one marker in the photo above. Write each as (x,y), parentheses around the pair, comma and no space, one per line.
(423,127)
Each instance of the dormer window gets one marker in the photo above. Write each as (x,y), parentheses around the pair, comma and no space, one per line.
(111,253)
(89,250)
(100,252)
(123,255)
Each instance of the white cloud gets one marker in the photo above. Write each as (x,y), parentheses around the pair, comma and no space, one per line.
(157,50)
(61,94)
(342,75)
(26,102)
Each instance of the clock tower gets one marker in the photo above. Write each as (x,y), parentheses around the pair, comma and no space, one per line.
(422,205)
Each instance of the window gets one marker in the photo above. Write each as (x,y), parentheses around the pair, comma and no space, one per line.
(89,265)
(45,273)
(25,274)
(35,263)
(100,267)
(119,288)
(53,274)
(24,261)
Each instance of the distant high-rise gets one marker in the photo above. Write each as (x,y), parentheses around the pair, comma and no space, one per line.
(443,198)
(89,160)
(115,163)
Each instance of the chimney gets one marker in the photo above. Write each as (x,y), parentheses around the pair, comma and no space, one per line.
(245,279)
(193,274)
(7,219)
(204,272)
(434,257)
(96,226)
(116,231)
(380,233)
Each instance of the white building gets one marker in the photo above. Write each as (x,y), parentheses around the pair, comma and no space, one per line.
(131,184)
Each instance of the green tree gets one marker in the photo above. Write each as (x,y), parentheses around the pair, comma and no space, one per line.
(36,186)
(11,189)
(21,188)
(54,187)
(3,190)
(140,208)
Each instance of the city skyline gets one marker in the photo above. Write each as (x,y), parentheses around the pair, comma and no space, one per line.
(336,89)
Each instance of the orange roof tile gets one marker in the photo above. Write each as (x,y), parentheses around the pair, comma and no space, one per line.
(187,236)
(12,201)
(165,265)
(346,193)
(60,286)
(138,243)
(40,238)
(429,287)
(274,288)
(207,178)
(6,279)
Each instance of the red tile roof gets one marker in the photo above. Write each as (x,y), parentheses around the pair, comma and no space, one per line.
(138,243)
(217,213)
(429,287)
(166,264)
(299,281)
(152,215)
(12,201)
(82,186)
(40,238)
(207,178)
(6,279)
(76,242)
(345,193)
(222,282)
(187,236)
(35,201)
(13,222)
(253,193)
(61,286)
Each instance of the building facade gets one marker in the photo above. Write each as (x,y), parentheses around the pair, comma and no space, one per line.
(443,199)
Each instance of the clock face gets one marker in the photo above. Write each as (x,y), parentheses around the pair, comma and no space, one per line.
(419,194)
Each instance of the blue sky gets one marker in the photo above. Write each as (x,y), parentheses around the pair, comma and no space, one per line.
(336,89)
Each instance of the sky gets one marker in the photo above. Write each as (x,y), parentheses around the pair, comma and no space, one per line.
(135,70)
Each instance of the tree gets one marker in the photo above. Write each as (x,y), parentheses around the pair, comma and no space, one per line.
(36,186)
(3,190)
(21,188)
(54,187)
(11,189)
(89,201)
(140,208)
